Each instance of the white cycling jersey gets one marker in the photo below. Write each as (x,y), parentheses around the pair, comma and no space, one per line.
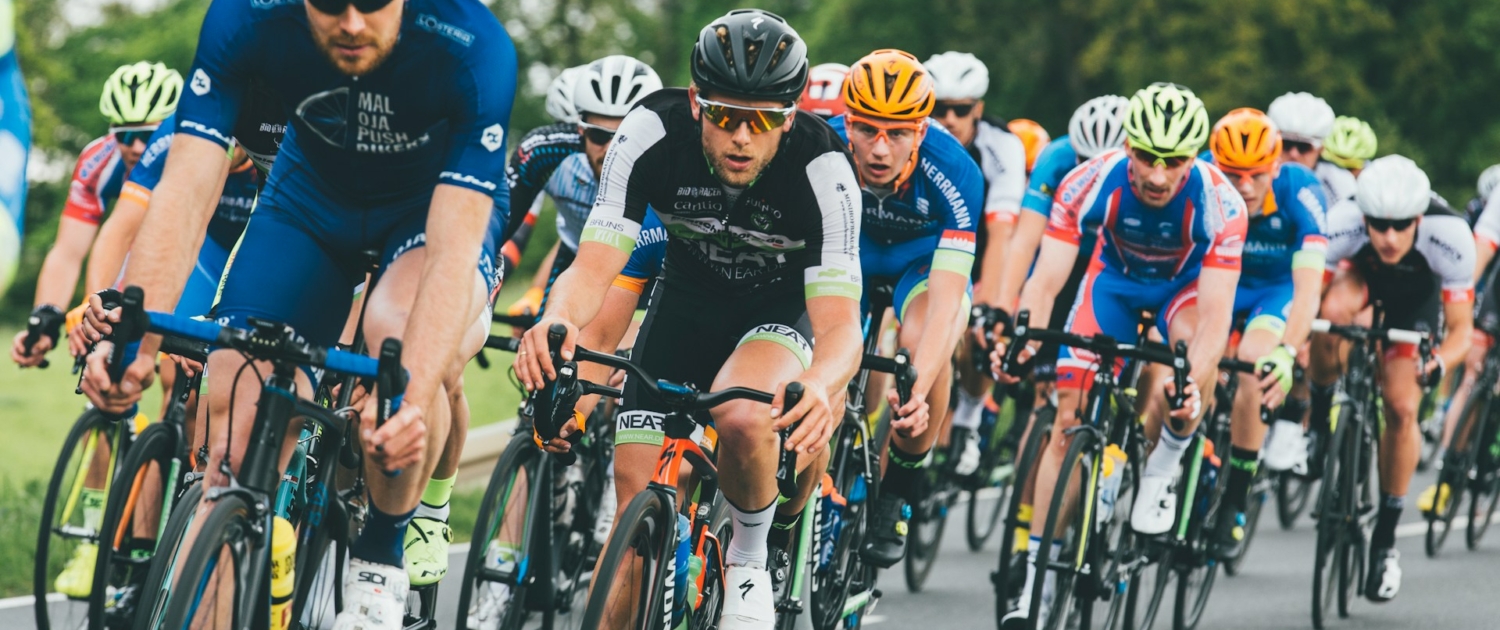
(1002,159)
(1487,226)
(1444,247)
(1338,183)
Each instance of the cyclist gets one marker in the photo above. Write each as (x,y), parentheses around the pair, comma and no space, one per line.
(136,98)
(1305,122)
(1277,297)
(1408,251)
(396,145)
(1489,180)
(755,199)
(1171,235)
(1350,145)
(919,189)
(1487,321)
(1033,137)
(960,82)
(15,145)
(824,94)
(1096,126)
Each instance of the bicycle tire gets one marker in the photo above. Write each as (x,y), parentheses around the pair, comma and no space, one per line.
(830,587)
(928,522)
(518,455)
(151,609)
(649,524)
(1455,473)
(65,470)
(1485,494)
(1330,529)
(979,523)
(156,444)
(229,523)
(1118,573)
(318,579)
(1292,494)
(1260,486)
(1197,572)
(1040,430)
(1062,602)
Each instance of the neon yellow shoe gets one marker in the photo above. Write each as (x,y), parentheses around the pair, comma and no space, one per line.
(77,577)
(1426,502)
(426,545)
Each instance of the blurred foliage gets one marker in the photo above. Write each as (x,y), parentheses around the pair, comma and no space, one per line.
(1422,73)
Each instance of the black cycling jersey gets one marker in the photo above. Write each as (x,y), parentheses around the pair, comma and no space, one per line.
(1438,269)
(800,219)
(261,124)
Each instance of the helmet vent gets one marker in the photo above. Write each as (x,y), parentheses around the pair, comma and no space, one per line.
(722,33)
(752,52)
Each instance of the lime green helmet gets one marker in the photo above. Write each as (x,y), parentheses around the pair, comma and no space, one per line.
(1167,119)
(1351,142)
(140,92)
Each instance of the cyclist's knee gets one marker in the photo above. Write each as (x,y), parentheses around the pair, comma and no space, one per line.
(745,425)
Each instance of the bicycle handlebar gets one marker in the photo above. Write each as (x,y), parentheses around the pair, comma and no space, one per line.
(1422,340)
(1108,349)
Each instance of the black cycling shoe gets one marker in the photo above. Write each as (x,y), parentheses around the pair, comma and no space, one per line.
(887,543)
(1383,577)
(1229,537)
(1317,451)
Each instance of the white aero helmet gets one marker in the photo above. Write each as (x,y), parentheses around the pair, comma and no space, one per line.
(560,95)
(1393,187)
(958,76)
(1488,181)
(1098,125)
(610,86)
(1302,117)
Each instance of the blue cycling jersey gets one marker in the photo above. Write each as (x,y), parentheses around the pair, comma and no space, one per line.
(235,202)
(1288,231)
(434,111)
(1054,163)
(936,206)
(650,250)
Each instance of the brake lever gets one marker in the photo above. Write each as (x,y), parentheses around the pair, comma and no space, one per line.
(786,467)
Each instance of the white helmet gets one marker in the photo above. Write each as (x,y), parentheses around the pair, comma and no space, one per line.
(610,86)
(1098,125)
(560,96)
(1488,181)
(1393,187)
(1302,117)
(958,76)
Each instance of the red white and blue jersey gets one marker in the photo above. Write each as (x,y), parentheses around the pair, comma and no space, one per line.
(1202,226)
(97,179)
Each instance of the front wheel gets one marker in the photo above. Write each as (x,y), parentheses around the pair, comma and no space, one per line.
(1060,614)
(632,576)
(929,519)
(124,551)
(72,515)
(155,592)
(219,580)
(491,587)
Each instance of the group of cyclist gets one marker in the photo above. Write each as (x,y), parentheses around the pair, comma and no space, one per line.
(704,207)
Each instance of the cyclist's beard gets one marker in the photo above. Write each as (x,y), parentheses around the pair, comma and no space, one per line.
(368,59)
(719,160)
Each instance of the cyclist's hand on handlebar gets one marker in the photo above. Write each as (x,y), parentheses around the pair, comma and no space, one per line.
(1432,371)
(1191,407)
(559,444)
(117,397)
(189,366)
(398,444)
(534,361)
(997,359)
(814,412)
(98,322)
(39,350)
(909,420)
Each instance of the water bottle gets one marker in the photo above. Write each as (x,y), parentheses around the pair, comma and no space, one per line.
(283,567)
(679,578)
(1109,483)
(695,569)
(1208,479)
(830,522)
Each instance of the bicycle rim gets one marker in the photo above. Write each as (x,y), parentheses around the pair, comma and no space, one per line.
(1005,591)
(643,538)
(1330,528)
(1125,554)
(831,585)
(711,601)
(980,520)
(504,514)
(1292,492)
(927,525)
(151,609)
(1485,495)
(1440,522)
(1260,488)
(62,528)
(319,574)
(1073,538)
(1325,575)
(153,450)
(217,579)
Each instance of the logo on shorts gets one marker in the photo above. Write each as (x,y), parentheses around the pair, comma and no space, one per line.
(201,83)
(493,138)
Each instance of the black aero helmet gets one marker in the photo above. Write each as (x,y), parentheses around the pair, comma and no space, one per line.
(752,54)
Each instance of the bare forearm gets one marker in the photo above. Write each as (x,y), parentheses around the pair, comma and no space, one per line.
(1483,254)
(603,335)
(1306,290)
(1215,312)
(115,239)
(445,300)
(579,292)
(836,356)
(992,267)
(58,278)
(936,348)
(177,220)
(1456,333)
(1019,255)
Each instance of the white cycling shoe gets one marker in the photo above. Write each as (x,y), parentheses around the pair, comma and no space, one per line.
(1285,447)
(748,601)
(606,514)
(374,597)
(1155,505)
(968,459)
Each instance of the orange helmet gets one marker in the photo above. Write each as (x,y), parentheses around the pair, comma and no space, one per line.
(1033,136)
(889,84)
(824,92)
(1246,140)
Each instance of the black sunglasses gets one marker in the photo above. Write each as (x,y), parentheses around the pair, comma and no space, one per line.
(337,7)
(1386,225)
(127,137)
(941,110)
(1296,145)
(600,136)
(1152,158)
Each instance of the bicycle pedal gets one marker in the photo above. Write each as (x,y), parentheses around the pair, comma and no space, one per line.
(791,606)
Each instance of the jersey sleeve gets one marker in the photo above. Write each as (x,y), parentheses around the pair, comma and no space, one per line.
(477,125)
(1224,211)
(1056,160)
(221,71)
(1448,244)
(1346,233)
(147,172)
(649,253)
(85,197)
(626,181)
(1307,207)
(1487,227)
(1007,182)
(1075,194)
(957,196)
(833,269)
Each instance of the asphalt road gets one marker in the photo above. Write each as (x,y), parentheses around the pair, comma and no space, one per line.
(1459,590)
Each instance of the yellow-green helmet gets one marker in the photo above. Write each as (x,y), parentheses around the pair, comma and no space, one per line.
(140,92)
(1167,119)
(1351,142)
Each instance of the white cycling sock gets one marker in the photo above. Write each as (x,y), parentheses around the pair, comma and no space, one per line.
(750,529)
(1163,461)
(969,406)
